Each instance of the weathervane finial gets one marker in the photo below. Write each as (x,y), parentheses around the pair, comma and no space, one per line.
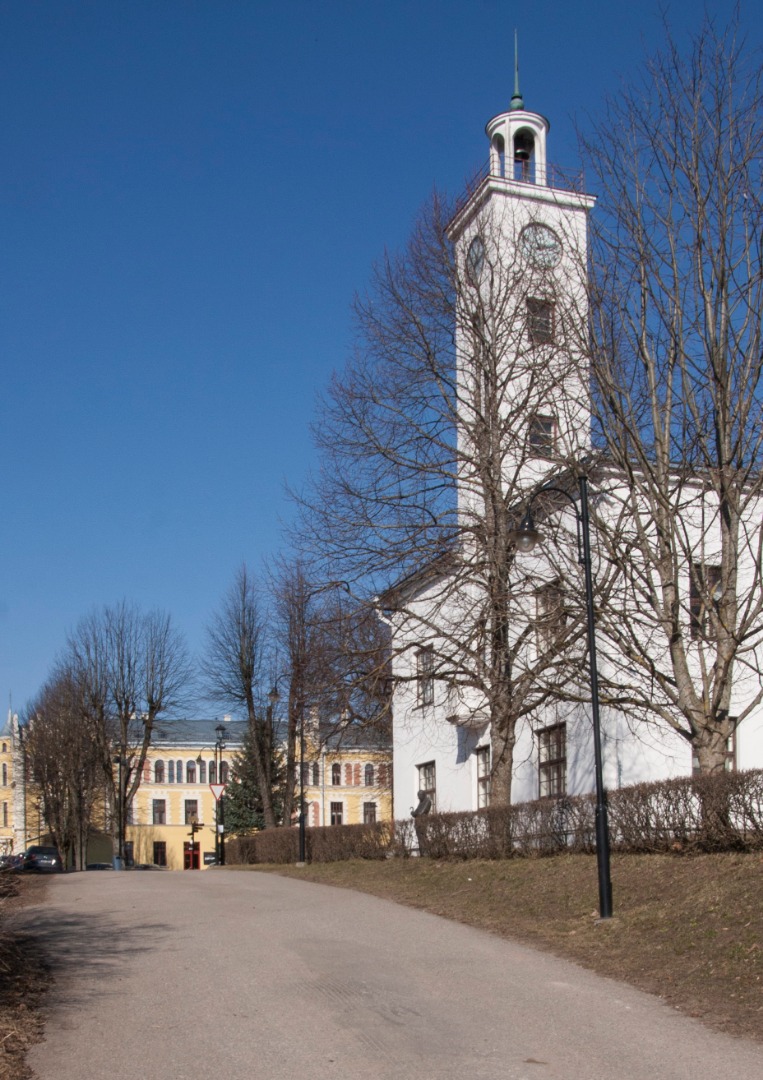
(517,102)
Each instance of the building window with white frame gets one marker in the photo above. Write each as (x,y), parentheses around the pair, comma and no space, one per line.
(428,781)
(368,775)
(369,813)
(337,813)
(541,435)
(540,321)
(336,774)
(482,754)
(550,616)
(552,761)
(425,676)
(704,585)
(159,816)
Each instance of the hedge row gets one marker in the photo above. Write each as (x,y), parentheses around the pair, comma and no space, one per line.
(697,813)
(332,843)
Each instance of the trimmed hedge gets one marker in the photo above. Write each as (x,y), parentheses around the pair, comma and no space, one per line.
(331,843)
(694,813)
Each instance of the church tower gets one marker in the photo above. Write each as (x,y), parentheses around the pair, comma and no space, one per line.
(521,249)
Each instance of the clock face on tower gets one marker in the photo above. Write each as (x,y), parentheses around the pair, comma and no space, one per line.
(475,260)
(541,246)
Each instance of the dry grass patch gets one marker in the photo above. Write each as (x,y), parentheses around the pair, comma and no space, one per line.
(23,978)
(689,929)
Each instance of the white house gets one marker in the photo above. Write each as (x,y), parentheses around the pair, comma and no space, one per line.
(521,238)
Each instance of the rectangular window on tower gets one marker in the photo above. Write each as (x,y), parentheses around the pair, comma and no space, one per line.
(541,435)
(551,616)
(704,589)
(540,321)
(425,676)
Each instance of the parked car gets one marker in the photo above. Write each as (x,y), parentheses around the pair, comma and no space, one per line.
(11,862)
(43,860)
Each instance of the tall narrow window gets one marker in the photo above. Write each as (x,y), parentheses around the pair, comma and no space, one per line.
(369,776)
(213,772)
(316,774)
(158,772)
(369,813)
(202,770)
(190,772)
(540,321)
(552,760)
(483,776)
(704,590)
(336,774)
(223,772)
(336,813)
(551,617)
(160,852)
(5,775)
(191,811)
(170,772)
(5,815)
(427,781)
(179,771)
(425,676)
(160,812)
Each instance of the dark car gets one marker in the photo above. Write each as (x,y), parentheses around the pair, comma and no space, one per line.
(43,860)
(11,862)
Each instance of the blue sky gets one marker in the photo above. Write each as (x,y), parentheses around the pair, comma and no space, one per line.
(190,194)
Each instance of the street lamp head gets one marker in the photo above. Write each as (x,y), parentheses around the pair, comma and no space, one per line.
(526,537)
(221,733)
(273,696)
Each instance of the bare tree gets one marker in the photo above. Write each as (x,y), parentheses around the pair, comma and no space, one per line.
(467,387)
(65,763)
(131,668)
(234,670)
(677,361)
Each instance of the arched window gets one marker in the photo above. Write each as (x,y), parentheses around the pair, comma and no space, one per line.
(369,776)
(202,771)
(316,774)
(190,772)
(223,772)
(179,771)
(158,772)
(170,772)
(336,774)
(213,772)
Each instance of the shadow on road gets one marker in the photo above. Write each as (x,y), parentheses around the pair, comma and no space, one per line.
(86,953)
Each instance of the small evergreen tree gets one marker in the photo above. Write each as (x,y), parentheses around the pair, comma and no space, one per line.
(244,811)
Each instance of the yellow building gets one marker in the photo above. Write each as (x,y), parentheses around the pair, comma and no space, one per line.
(173,819)
(8,738)
(347,778)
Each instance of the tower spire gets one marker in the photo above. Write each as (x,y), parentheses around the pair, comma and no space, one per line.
(517,101)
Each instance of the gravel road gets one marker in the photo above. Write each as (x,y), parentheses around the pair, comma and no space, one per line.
(247,976)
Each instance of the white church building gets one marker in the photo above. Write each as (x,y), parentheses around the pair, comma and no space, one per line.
(520,223)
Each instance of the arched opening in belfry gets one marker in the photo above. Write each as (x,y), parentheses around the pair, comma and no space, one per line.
(524,150)
(499,155)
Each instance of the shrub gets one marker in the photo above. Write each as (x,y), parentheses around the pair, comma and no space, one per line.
(722,812)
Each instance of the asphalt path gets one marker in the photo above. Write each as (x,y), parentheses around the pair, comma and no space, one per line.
(248,976)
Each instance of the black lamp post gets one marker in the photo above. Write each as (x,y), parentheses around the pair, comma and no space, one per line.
(220,804)
(526,537)
(120,762)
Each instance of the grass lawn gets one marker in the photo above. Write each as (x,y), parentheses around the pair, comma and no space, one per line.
(688,928)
